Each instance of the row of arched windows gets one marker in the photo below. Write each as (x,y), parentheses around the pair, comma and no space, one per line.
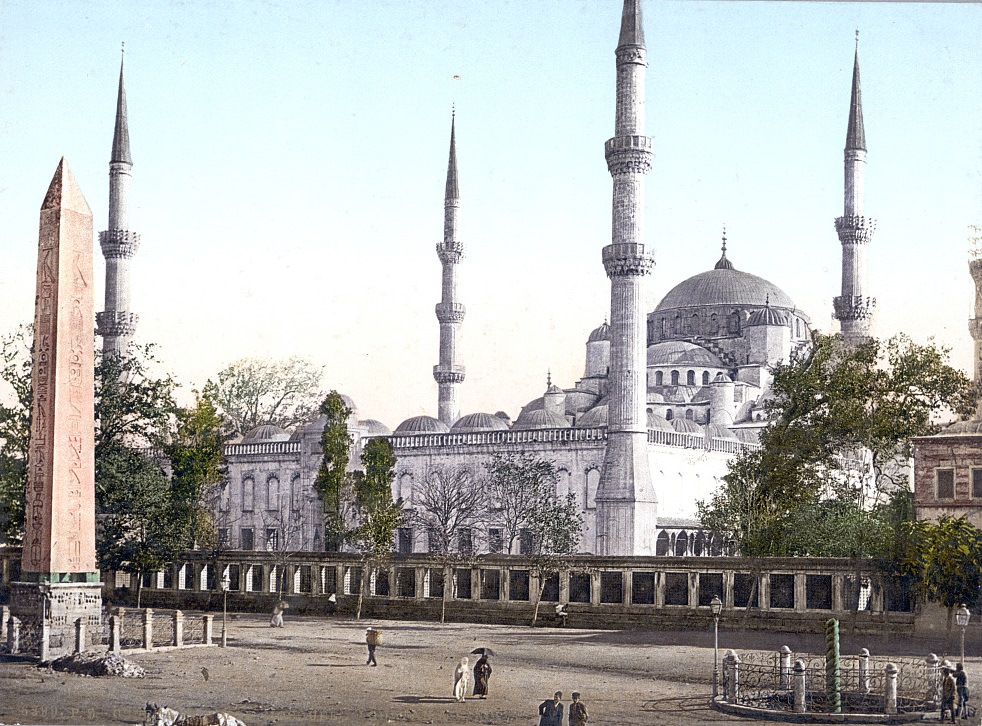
(267,496)
(696,325)
(675,378)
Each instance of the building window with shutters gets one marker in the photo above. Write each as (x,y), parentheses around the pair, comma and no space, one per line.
(976,483)
(945,483)
(246,538)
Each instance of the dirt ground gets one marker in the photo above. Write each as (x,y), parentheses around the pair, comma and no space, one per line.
(313,671)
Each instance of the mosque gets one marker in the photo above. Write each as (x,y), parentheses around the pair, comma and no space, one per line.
(667,397)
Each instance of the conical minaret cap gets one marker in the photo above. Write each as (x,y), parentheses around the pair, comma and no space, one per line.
(121,134)
(63,193)
(452,192)
(856,134)
(632,29)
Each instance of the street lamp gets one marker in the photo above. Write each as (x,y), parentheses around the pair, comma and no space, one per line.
(226,582)
(962,616)
(716,606)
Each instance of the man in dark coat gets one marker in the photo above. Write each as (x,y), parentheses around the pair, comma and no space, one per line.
(482,672)
(551,712)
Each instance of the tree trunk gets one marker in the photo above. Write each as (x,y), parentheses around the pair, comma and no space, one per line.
(366,577)
(139,587)
(448,582)
(538,600)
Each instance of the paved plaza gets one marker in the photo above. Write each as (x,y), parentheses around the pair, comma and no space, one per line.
(313,671)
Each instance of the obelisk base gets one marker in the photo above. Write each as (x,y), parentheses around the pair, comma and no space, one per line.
(58,605)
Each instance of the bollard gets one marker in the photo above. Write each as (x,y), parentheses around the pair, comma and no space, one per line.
(731,666)
(148,629)
(833,680)
(115,623)
(785,657)
(13,635)
(208,628)
(45,641)
(178,628)
(934,678)
(864,686)
(890,689)
(798,686)
(4,619)
(80,643)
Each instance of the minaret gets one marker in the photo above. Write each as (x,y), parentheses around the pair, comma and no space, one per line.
(116,324)
(449,312)
(626,504)
(975,324)
(854,308)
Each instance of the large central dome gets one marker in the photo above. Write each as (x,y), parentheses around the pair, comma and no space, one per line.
(724,286)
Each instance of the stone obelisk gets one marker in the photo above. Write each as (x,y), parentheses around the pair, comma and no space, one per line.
(59,582)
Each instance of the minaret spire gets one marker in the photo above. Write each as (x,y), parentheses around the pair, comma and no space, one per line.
(854,307)
(448,374)
(116,324)
(626,503)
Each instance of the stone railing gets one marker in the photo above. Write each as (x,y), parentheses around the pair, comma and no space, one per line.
(483,438)
(267,447)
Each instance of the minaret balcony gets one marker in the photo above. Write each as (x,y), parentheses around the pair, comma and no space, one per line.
(853,307)
(450,312)
(975,328)
(116,324)
(448,374)
(629,154)
(119,243)
(450,252)
(855,229)
(627,259)
(975,270)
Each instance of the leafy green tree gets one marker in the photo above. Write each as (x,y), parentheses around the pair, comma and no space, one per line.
(253,392)
(378,516)
(15,430)
(841,419)
(333,481)
(198,469)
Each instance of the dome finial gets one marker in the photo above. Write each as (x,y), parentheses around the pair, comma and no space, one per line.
(548,378)
(724,264)
(767,300)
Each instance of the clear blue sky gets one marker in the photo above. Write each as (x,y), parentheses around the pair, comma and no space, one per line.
(290,157)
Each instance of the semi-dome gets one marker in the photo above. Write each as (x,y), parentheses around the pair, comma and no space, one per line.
(686,426)
(656,421)
(422,425)
(767,316)
(540,419)
(595,417)
(599,334)
(724,286)
(474,422)
(679,353)
(265,433)
(718,431)
(371,427)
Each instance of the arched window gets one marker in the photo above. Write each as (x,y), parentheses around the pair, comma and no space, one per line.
(669,414)
(700,544)
(651,331)
(662,544)
(664,327)
(694,324)
(690,378)
(272,493)
(713,325)
(681,544)
(677,324)
(296,496)
(705,378)
(248,494)
(675,378)
(659,378)
(688,414)
(733,322)
(592,482)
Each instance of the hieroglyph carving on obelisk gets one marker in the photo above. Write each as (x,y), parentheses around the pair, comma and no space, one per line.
(59,534)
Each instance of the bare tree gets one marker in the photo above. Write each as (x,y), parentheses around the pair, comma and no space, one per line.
(449,500)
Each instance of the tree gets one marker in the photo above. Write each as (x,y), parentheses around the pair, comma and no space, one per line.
(523,494)
(450,499)
(841,419)
(378,516)
(333,482)
(15,430)
(252,392)
(197,457)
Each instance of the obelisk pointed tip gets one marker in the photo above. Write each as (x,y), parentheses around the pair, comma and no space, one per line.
(63,192)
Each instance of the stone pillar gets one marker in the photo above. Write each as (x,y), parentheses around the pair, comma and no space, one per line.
(208,628)
(13,635)
(628,579)
(890,689)
(59,580)
(798,686)
(148,629)
(660,589)
(4,619)
(731,683)
(594,588)
(800,590)
(864,680)
(693,585)
(564,586)
(115,642)
(728,589)
(837,588)
(80,635)
(764,591)
(45,641)
(934,676)
(178,628)
(785,658)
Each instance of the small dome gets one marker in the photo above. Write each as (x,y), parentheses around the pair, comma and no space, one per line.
(266,432)
(963,428)
(767,316)
(747,435)
(724,285)
(679,353)
(717,431)
(540,419)
(371,427)
(595,417)
(553,389)
(600,334)
(722,378)
(474,422)
(686,426)
(349,403)
(422,425)
(659,422)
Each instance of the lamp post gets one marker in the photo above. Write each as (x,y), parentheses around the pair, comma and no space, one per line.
(962,616)
(716,606)
(225,585)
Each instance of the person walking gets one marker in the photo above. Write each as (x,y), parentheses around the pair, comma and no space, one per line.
(947,694)
(372,638)
(961,689)
(460,676)
(482,672)
(551,711)
(577,711)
